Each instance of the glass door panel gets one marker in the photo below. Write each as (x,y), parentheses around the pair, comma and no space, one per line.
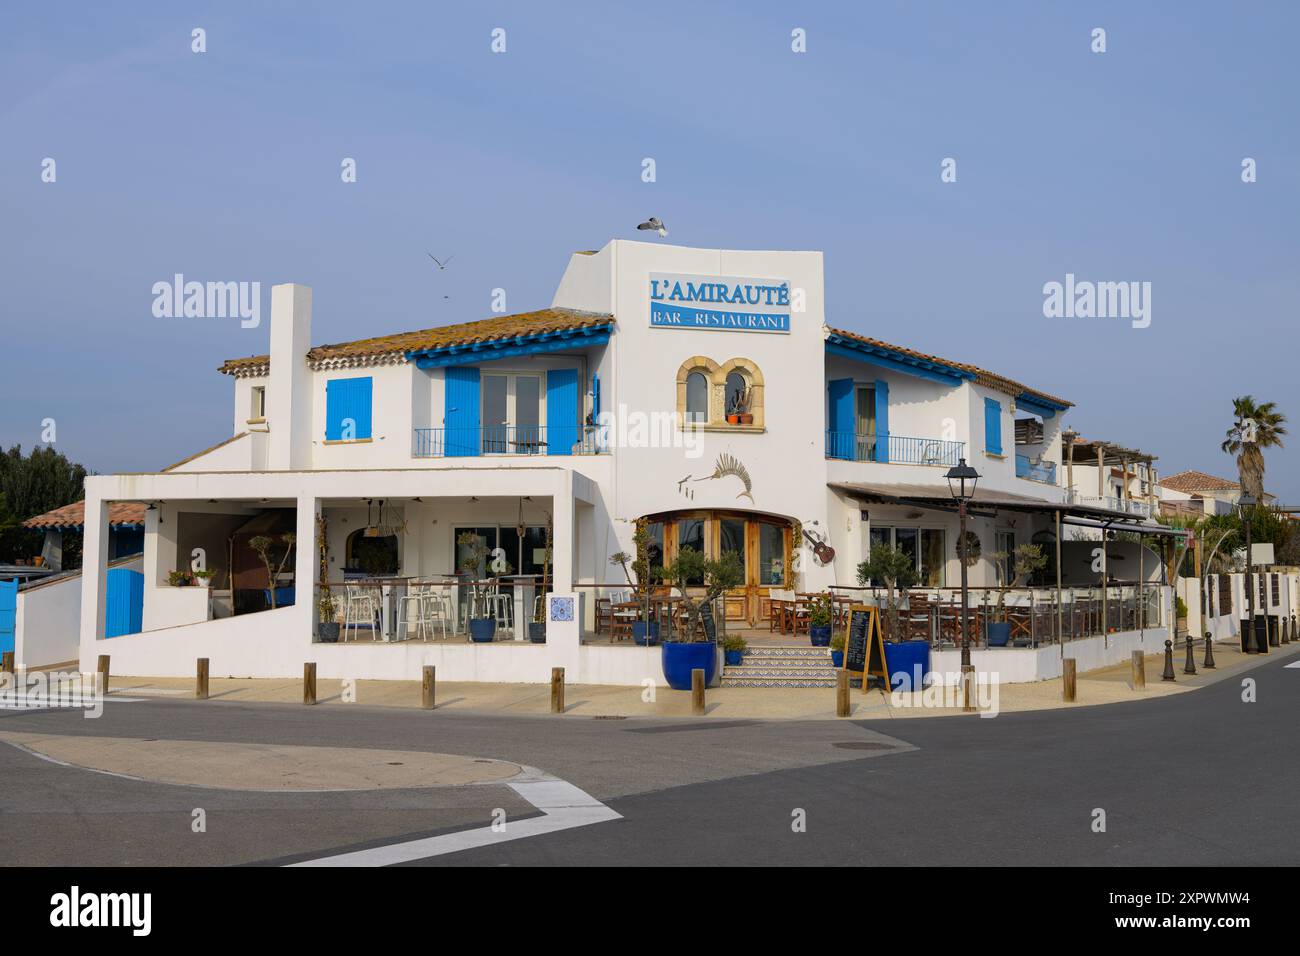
(496,414)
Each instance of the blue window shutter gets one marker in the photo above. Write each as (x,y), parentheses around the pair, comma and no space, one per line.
(992,426)
(882,420)
(561,411)
(460,419)
(840,441)
(348,398)
(595,397)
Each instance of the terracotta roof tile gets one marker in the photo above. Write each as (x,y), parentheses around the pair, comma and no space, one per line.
(982,376)
(74,515)
(464,333)
(1189,481)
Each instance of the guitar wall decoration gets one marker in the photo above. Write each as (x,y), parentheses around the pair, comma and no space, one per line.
(822,551)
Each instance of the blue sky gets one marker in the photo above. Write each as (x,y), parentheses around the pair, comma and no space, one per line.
(225,166)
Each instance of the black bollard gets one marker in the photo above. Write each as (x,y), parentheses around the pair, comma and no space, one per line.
(1190,666)
(1169,662)
(1208,663)
(1274,631)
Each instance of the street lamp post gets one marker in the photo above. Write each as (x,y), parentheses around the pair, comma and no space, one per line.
(1245,505)
(962,479)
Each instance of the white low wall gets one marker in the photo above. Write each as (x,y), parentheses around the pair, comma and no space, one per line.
(271,644)
(47,627)
(167,606)
(1023,665)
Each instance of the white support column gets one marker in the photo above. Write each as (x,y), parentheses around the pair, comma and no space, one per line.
(94,573)
(306,569)
(564,606)
(564,521)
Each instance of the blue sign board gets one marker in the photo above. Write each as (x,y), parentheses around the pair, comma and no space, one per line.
(719,303)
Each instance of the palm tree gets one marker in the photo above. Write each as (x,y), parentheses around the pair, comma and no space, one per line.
(1269,427)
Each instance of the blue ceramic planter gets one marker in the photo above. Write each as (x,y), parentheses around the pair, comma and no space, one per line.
(537,632)
(820,635)
(902,661)
(680,659)
(999,633)
(837,658)
(482,629)
(639,633)
(733,658)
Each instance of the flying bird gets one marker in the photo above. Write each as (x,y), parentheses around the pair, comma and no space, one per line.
(441,264)
(654,224)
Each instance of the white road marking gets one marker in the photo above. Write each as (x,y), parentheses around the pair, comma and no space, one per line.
(40,702)
(1296,664)
(564,806)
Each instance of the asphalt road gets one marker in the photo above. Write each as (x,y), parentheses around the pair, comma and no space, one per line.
(1193,779)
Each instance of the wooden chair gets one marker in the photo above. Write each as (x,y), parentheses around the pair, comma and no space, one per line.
(621,620)
(915,621)
(776,603)
(604,614)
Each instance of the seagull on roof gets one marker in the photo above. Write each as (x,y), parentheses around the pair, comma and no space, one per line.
(440,263)
(654,223)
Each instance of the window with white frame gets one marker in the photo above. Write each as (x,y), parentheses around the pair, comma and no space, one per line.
(513,409)
(925,546)
(257,403)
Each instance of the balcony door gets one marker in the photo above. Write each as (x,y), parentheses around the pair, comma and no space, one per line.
(512,413)
(865,422)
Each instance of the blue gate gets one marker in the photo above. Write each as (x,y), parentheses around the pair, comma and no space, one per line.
(124,602)
(8,612)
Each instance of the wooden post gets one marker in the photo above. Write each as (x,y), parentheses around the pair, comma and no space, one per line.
(309,682)
(557,690)
(1068,689)
(968,687)
(697,692)
(103,672)
(1139,670)
(841,693)
(201,680)
(427,686)
(7,662)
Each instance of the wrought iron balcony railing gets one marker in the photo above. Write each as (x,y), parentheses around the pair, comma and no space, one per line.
(457,442)
(893,449)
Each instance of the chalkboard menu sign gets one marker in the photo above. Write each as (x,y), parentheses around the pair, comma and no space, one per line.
(710,627)
(864,647)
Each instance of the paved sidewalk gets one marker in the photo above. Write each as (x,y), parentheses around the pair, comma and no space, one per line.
(1104,686)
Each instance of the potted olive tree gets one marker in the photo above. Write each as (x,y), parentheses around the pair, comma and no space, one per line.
(482,625)
(1027,560)
(819,620)
(645,632)
(264,545)
(690,649)
(897,571)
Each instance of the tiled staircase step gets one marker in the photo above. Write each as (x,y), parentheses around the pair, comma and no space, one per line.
(730,681)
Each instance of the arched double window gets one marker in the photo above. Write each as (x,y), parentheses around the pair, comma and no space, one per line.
(721,397)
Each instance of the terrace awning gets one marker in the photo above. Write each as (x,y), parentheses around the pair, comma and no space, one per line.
(988,500)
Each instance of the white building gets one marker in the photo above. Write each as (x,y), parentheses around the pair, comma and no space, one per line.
(608,408)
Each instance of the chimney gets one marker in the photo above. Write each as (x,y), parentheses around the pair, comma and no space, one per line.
(289,394)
